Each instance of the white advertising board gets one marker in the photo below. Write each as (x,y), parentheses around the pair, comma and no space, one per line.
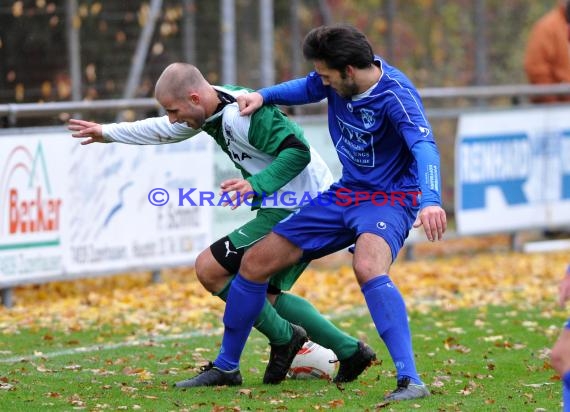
(32,185)
(71,210)
(512,170)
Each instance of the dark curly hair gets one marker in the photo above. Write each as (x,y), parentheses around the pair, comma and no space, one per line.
(338,46)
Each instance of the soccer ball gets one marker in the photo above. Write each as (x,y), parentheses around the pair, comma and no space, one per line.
(313,361)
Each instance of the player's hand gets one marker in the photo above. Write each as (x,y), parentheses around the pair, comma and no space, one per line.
(241,189)
(433,219)
(249,103)
(564,289)
(93,132)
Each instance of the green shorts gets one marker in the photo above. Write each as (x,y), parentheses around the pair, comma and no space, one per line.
(256,229)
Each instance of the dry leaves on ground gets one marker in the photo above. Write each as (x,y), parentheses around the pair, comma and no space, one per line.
(179,302)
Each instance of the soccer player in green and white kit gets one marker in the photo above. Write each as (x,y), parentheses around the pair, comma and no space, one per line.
(274,158)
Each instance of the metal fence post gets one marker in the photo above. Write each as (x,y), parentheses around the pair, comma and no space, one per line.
(6,297)
(155,276)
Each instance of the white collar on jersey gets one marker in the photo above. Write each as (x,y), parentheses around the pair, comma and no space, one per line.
(367,92)
(232,93)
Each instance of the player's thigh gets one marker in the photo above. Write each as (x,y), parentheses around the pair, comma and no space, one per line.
(268,257)
(229,250)
(392,223)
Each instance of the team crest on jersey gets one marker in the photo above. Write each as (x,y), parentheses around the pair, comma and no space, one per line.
(368,118)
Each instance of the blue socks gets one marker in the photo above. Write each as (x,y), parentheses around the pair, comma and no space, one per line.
(388,312)
(566,391)
(244,303)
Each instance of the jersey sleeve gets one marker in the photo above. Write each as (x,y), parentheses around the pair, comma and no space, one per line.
(427,160)
(407,115)
(294,92)
(154,130)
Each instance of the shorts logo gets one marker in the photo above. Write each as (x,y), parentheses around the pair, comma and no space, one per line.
(367,118)
(349,107)
(242,233)
(228,250)
(381,225)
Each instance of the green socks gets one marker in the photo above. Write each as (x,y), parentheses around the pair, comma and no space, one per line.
(320,330)
(273,322)
(273,326)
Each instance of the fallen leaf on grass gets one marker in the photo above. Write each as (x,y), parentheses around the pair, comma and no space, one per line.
(468,389)
(245,392)
(336,403)
(6,386)
(128,389)
(132,301)
(492,338)
(76,400)
(451,344)
(102,372)
(537,385)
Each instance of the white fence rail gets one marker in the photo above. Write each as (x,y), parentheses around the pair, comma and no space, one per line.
(58,203)
(14,111)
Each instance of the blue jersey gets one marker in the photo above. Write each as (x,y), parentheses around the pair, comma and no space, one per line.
(377,134)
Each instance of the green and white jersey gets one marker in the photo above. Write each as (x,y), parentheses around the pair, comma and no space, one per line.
(251,142)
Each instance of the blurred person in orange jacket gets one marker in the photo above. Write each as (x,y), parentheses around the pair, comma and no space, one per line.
(547,56)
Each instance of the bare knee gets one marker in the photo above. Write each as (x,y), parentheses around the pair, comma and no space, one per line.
(251,267)
(209,272)
(372,257)
(364,269)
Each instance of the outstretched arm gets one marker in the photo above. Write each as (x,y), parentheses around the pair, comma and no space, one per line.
(154,130)
(309,89)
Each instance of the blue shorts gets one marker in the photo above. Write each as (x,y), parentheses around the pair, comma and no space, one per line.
(567,326)
(330,223)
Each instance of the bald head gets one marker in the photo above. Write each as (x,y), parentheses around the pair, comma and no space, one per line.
(177,79)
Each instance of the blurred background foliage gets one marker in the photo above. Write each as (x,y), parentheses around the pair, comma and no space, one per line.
(437,43)
(434,41)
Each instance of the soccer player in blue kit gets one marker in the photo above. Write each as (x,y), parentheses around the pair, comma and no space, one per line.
(560,356)
(386,146)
